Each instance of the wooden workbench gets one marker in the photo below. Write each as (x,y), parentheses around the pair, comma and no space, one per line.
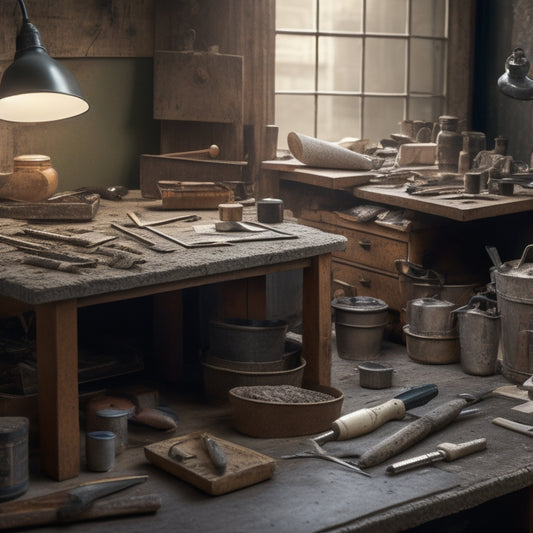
(56,296)
(461,207)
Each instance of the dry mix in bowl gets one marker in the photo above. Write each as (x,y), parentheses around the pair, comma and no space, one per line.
(282,394)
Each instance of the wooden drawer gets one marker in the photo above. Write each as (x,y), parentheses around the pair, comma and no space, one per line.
(366,248)
(364,282)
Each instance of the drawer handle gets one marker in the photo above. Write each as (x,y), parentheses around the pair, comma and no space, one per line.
(365,244)
(350,289)
(365,282)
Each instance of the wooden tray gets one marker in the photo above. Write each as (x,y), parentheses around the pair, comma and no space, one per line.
(245,467)
(77,207)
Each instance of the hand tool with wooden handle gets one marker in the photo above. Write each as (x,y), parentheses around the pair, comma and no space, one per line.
(446,451)
(414,432)
(514,426)
(216,454)
(366,420)
(79,503)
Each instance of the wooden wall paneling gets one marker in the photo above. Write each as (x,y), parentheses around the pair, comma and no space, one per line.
(197,86)
(236,27)
(92,28)
(460,76)
(178,136)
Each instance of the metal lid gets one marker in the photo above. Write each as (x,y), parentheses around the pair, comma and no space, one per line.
(361,304)
(430,302)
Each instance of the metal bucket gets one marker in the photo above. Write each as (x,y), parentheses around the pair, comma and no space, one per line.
(514,289)
(479,336)
(430,316)
(359,325)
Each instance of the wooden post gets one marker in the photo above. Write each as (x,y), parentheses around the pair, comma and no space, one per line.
(316,321)
(57,369)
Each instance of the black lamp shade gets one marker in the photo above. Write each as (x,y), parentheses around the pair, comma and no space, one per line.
(36,88)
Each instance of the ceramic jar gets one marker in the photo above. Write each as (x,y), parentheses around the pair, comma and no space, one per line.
(449,144)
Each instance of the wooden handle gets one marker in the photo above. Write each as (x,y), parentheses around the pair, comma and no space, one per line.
(456,451)
(366,420)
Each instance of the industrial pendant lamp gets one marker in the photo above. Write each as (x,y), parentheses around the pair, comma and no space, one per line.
(36,88)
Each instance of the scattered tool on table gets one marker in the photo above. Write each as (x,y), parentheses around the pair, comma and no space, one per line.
(52,264)
(86,240)
(180,218)
(416,431)
(320,453)
(197,244)
(80,503)
(514,426)
(216,454)
(446,451)
(156,247)
(119,258)
(178,454)
(113,192)
(366,420)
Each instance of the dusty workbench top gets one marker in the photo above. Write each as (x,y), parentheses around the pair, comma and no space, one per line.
(312,495)
(37,285)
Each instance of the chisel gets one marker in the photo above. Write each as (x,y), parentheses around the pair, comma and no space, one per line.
(366,420)
(446,451)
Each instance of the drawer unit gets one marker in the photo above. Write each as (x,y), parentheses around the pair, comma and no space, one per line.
(366,267)
(354,280)
(367,248)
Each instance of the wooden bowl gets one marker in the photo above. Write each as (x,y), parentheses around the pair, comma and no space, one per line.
(265,419)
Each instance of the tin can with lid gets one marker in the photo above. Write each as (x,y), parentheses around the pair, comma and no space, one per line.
(14,478)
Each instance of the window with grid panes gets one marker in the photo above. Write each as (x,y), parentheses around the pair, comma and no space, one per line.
(356,68)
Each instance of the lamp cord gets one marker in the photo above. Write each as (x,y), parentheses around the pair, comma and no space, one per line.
(24,12)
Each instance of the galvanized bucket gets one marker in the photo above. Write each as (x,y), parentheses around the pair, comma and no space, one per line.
(479,336)
(359,326)
(514,289)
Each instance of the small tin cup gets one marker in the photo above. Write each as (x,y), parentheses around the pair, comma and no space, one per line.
(270,210)
(100,450)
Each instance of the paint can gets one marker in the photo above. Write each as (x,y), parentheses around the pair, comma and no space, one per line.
(116,421)
(100,450)
(14,478)
(270,210)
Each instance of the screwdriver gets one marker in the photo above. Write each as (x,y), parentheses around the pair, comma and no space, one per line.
(446,451)
(366,420)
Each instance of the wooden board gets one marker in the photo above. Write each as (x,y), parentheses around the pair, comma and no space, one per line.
(244,466)
(461,207)
(80,207)
(154,168)
(321,177)
(198,86)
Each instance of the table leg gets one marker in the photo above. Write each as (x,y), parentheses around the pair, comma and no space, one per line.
(57,369)
(316,321)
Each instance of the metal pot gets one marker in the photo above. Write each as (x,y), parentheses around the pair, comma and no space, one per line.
(430,316)
(514,289)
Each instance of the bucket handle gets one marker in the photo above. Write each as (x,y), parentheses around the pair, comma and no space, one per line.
(525,255)
(489,302)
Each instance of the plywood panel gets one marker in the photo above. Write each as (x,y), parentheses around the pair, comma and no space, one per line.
(198,86)
(92,28)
